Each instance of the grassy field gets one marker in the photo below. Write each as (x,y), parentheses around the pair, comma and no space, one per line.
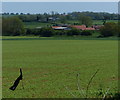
(100,22)
(35,24)
(92,37)
(50,67)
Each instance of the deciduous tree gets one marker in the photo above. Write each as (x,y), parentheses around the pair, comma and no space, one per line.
(12,26)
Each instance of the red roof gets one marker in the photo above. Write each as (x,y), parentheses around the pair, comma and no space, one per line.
(55,26)
(90,28)
(59,27)
(82,27)
(97,27)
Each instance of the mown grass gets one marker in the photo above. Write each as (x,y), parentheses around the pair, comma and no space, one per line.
(50,65)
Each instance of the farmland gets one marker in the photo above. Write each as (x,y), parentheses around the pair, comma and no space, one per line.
(40,24)
(50,67)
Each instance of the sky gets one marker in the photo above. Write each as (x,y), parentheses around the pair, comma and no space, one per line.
(60,7)
(60,0)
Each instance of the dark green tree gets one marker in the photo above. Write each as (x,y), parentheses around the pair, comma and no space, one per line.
(86,20)
(73,31)
(109,29)
(63,19)
(46,32)
(12,26)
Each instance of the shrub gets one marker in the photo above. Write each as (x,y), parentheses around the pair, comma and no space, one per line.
(12,26)
(32,31)
(60,32)
(86,32)
(118,30)
(73,31)
(109,29)
(29,31)
(46,32)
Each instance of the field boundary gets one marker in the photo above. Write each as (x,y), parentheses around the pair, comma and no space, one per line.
(60,38)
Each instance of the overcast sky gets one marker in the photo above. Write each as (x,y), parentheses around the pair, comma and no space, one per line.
(60,7)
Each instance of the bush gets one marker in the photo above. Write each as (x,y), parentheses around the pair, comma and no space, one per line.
(60,32)
(73,31)
(32,31)
(46,32)
(29,31)
(109,29)
(86,32)
(118,30)
(12,26)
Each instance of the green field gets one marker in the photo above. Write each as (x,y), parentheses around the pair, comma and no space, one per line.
(35,24)
(100,22)
(50,67)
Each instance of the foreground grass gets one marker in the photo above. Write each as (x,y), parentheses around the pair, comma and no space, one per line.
(51,65)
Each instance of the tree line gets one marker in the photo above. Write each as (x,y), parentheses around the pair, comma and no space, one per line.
(14,26)
(69,16)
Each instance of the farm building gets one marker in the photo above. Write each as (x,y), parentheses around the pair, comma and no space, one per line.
(90,28)
(60,28)
(97,27)
(82,27)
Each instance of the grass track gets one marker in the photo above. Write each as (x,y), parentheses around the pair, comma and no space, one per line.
(49,65)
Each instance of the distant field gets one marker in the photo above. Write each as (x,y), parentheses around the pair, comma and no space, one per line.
(39,24)
(35,24)
(51,65)
(100,22)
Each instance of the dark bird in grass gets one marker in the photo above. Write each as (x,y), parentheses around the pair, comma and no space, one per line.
(17,81)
